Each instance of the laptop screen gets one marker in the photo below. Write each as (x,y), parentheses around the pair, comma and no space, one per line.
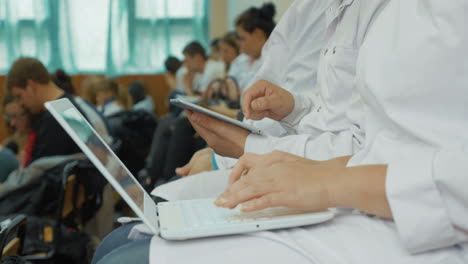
(104,155)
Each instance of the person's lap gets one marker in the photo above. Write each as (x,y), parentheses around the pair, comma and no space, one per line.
(118,248)
(346,239)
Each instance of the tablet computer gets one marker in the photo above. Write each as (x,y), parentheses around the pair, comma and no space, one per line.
(197,108)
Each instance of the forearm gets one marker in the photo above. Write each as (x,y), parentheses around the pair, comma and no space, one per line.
(362,188)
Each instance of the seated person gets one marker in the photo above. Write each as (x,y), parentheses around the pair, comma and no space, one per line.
(18,122)
(297,73)
(254,27)
(64,81)
(408,180)
(197,62)
(108,97)
(138,97)
(174,78)
(229,49)
(185,143)
(97,120)
(226,91)
(30,83)
(89,87)
(215,53)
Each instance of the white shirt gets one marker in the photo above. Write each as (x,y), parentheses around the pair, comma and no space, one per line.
(180,74)
(243,70)
(413,82)
(110,108)
(213,70)
(146,104)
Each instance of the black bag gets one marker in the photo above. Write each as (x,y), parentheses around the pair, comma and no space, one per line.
(68,245)
(135,131)
(41,196)
(13,260)
(38,197)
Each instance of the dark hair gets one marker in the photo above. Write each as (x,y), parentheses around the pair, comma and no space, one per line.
(24,69)
(215,43)
(8,99)
(137,90)
(63,80)
(13,146)
(261,18)
(194,48)
(231,39)
(172,64)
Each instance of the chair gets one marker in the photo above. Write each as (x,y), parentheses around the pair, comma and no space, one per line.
(79,199)
(12,235)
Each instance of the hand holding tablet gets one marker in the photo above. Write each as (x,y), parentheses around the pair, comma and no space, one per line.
(197,108)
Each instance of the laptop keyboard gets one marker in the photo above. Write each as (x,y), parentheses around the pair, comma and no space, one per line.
(205,213)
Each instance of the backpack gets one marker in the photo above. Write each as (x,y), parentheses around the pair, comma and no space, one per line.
(134,130)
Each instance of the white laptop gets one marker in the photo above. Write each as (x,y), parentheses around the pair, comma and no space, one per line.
(175,220)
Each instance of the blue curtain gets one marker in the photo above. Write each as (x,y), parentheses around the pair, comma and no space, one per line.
(113,37)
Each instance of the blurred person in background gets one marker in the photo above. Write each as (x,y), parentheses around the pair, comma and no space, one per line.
(108,97)
(86,103)
(138,97)
(215,53)
(175,80)
(31,85)
(197,62)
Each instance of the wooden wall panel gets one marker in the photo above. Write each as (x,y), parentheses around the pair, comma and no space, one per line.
(156,84)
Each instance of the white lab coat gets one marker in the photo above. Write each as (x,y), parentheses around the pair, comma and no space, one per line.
(414,87)
(323,129)
(290,58)
(320,126)
(412,125)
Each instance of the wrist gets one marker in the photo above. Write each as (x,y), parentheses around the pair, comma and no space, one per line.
(241,145)
(337,189)
(361,188)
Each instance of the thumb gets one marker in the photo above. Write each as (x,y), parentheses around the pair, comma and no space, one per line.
(184,171)
(262,104)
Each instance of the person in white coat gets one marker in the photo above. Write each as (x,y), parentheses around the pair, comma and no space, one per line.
(409,178)
(290,60)
(318,127)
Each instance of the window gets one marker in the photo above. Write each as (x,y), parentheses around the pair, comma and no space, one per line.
(105,36)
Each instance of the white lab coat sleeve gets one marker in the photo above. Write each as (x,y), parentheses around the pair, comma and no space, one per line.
(419,127)
(326,146)
(224,163)
(426,189)
(303,104)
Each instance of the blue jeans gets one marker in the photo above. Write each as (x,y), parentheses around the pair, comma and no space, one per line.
(117,248)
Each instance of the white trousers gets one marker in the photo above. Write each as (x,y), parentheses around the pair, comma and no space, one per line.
(350,239)
(347,239)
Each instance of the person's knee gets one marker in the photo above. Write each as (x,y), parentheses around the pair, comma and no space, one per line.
(135,252)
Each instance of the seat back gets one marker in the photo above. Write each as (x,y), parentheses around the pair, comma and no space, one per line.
(12,235)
